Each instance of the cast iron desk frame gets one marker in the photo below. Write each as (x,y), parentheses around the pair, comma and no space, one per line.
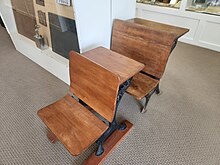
(114,125)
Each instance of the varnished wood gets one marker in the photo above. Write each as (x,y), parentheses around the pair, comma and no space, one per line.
(141,85)
(149,43)
(145,41)
(51,136)
(94,85)
(71,122)
(156,26)
(114,62)
(109,145)
(75,126)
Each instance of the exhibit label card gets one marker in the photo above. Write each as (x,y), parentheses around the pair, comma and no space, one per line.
(64,2)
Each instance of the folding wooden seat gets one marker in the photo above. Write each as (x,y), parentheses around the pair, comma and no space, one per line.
(73,124)
(149,43)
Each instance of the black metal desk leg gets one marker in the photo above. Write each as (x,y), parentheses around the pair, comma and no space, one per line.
(114,124)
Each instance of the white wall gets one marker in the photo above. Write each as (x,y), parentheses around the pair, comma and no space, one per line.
(94,20)
(123,9)
(93,23)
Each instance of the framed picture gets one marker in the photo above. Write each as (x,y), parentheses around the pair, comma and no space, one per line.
(40,2)
(42,18)
(199,1)
(64,2)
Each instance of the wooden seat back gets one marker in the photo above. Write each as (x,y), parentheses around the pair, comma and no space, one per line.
(94,85)
(145,41)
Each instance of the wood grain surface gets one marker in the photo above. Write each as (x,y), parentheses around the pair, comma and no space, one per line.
(75,126)
(177,31)
(145,41)
(51,136)
(141,85)
(93,84)
(114,62)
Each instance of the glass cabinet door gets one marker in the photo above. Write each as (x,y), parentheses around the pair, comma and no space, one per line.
(204,6)
(163,3)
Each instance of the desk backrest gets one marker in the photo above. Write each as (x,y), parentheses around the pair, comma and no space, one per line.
(94,85)
(145,41)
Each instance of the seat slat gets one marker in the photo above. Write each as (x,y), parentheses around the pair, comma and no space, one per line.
(75,126)
(141,85)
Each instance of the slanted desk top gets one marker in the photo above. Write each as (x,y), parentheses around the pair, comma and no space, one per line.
(123,66)
(177,31)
